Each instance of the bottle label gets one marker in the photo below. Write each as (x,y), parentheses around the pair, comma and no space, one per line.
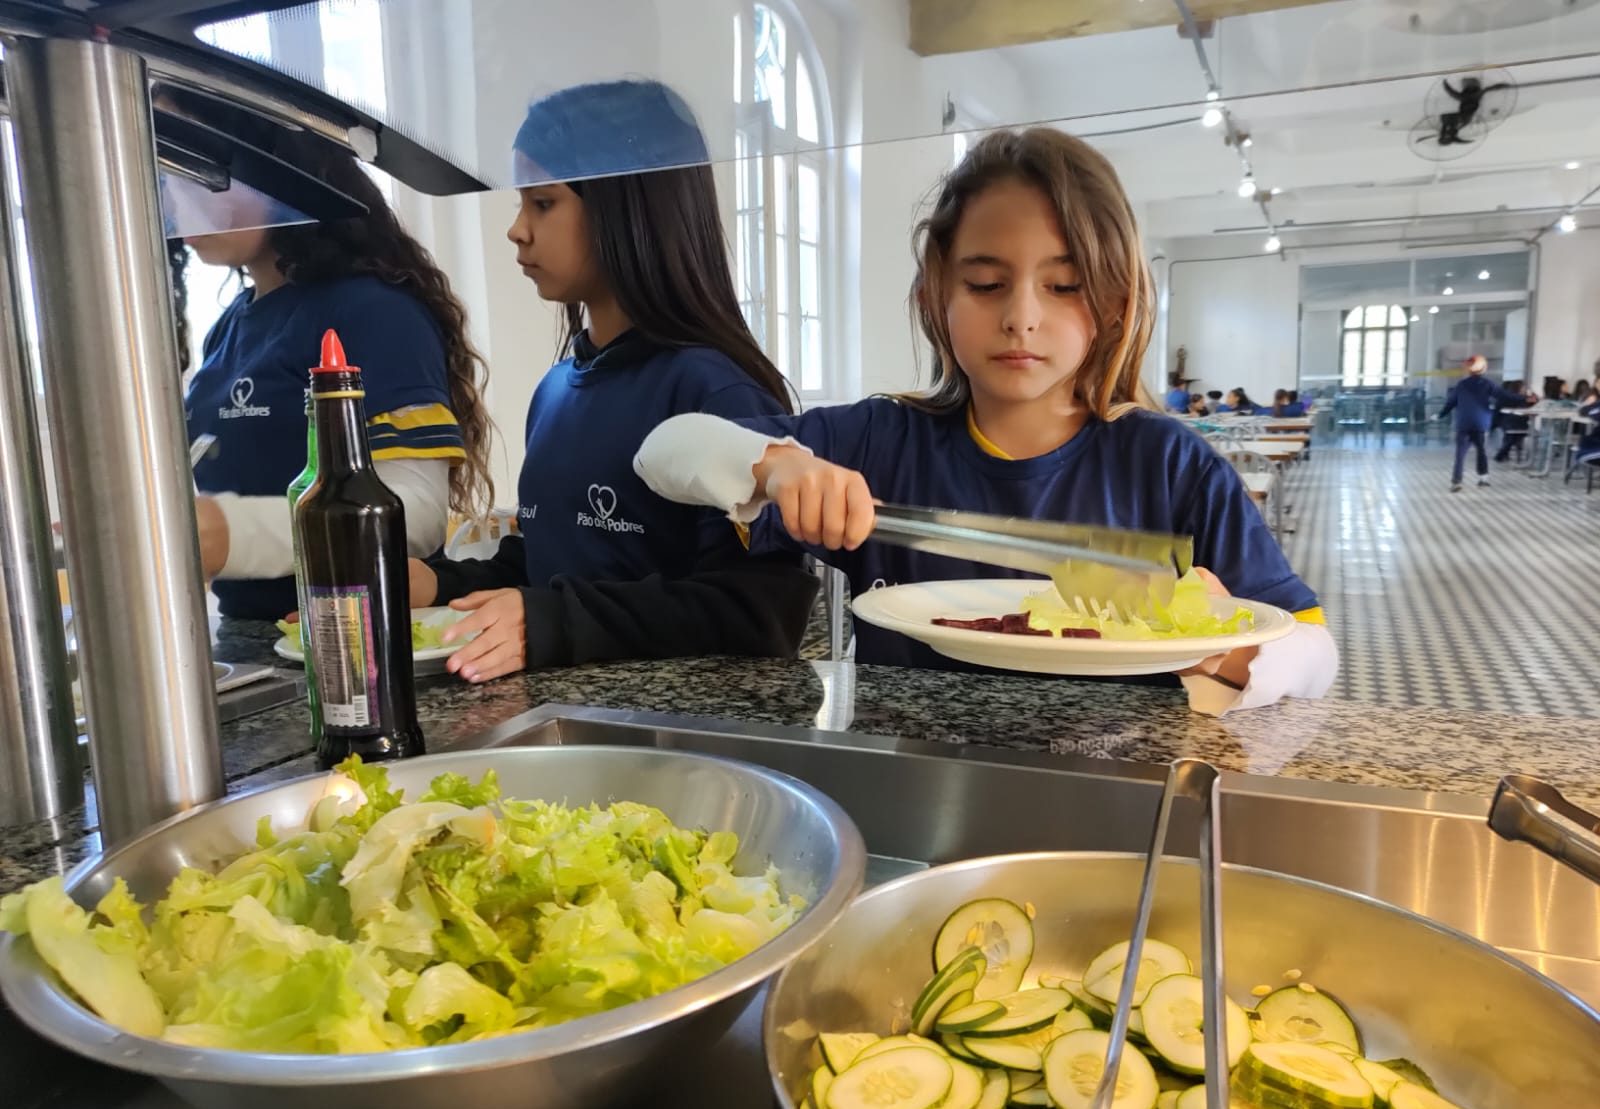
(342,654)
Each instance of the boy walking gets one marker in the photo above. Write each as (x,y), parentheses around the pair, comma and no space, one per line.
(1474,399)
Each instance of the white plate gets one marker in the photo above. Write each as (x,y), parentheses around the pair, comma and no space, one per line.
(911,610)
(430,661)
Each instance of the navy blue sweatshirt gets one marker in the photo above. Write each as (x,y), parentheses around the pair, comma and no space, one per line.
(607,569)
(1474,400)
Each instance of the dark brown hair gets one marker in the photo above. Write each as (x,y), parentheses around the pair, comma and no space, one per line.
(1102,235)
(378,245)
(659,240)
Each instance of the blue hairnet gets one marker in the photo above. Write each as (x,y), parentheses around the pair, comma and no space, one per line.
(608,128)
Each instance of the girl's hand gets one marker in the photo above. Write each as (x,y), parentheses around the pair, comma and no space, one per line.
(424,583)
(822,504)
(1232,667)
(213,526)
(501,647)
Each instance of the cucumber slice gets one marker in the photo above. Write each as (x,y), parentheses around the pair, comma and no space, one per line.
(893,1043)
(1004,1053)
(1055,982)
(1036,1096)
(1071,1020)
(1192,1098)
(998,928)
(1379,1077)
(1019,1080)
(965,1018)
(1173,1012)
(821,1079)
(1025,1011)
(1306,1068)
(901,1078)
(1292,1015)
(839,1049)
(1073,1065)
(1412,1073)
(954,982)
(966,1086)
(953,1044)
(1103,977)
(1410,1096)
(996,1090)
(1168,1100)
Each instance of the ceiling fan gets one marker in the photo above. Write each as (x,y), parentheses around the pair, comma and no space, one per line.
(1460,111)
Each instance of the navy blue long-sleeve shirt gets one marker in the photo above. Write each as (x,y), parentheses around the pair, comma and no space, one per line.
(1474,399)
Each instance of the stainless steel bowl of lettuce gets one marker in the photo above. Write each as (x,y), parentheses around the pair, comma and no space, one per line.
(526,926)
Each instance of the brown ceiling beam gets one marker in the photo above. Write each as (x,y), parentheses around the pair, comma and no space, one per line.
(955,26)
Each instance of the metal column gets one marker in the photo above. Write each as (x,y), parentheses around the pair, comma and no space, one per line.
(86,148)
(39,772)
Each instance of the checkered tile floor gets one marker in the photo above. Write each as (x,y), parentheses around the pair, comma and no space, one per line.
(1485,600)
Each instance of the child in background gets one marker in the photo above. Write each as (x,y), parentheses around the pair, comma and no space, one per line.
(1033,292)
(603,568)
(1473,399)
(1513,426)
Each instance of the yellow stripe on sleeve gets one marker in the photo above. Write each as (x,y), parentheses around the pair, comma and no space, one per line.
(386,454)
(414,416)
(1312,616)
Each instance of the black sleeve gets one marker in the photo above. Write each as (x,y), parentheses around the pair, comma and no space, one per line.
(506,570)
(1449,404)
(742,605)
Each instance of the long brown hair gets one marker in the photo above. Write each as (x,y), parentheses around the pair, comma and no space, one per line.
(1104,240)
(378,245)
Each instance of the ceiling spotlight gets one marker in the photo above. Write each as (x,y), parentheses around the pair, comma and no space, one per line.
(1213,95)
(1567,223)
(1212,117)
(1483,275)
(1449,290)
(1415,318)
(1273,244)
(1247,187)
(1434,311)
(1275,191)
(1246,141)
(1574,165)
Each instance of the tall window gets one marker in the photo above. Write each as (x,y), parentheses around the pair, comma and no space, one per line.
(1373,353)
(782,210)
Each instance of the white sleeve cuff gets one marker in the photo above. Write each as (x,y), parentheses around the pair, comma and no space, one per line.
(1301,664)
(259,540)
(701,459)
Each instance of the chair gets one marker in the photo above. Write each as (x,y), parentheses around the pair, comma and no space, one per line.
(1254,463)
(1396,414)
(1352,414)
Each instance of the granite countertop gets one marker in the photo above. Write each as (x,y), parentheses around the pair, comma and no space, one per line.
(1338,741)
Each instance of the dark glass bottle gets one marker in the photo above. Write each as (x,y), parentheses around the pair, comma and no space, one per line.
(297,489)
(351,530)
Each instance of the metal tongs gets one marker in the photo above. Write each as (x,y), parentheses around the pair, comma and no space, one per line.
(1199,781)
(1138,564)
(1534,812)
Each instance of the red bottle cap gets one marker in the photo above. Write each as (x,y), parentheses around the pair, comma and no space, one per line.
(333,356)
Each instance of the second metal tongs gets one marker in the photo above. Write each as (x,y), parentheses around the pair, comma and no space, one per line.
(1198,781)
(1103,566)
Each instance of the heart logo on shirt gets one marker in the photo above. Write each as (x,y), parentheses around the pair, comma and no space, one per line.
(242,391)
(603,499)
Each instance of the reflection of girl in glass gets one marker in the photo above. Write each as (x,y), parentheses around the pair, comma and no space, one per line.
(368,279)
(604,568)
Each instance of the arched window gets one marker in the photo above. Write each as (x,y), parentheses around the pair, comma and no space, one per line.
(782,203)
(1373,351)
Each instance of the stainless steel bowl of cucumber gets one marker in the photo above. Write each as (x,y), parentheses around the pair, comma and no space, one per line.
(989,983)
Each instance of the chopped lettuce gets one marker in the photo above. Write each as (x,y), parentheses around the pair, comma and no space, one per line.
(1188,614)
(385,924)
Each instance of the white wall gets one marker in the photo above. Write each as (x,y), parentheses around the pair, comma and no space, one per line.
(1239,321)
(1566,329)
